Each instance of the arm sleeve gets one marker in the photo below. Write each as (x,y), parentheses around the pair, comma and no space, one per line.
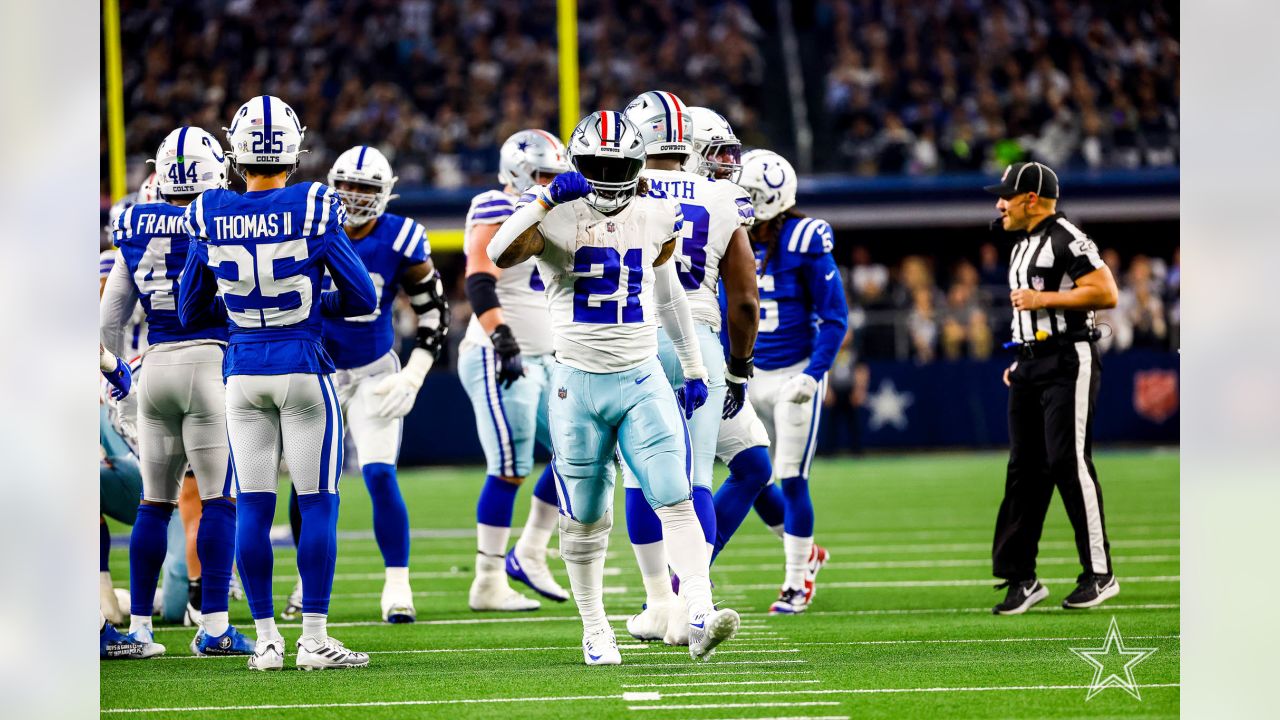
(355,294)
(198,289)
(677,320)
(826,291)
(118,300)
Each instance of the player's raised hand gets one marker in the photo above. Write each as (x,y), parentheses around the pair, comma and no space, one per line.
(692,396)
(568,186)
(799,389)
(120,378)
(510,364)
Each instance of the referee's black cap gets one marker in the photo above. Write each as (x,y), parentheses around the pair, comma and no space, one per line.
(1024,177)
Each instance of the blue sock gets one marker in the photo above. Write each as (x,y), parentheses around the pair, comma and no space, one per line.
(147,546)
(497,502)
(317,549)
(390,516)
(799,519)
(254,512)
(643,525)
(749,473)
(104,548)
(216,548)
(295,516)
(771,506)
(545,490)
(705,507)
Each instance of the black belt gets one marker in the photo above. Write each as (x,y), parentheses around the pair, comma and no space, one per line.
(1053,345)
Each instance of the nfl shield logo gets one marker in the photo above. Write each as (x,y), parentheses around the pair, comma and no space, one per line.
(1037,283)
(1155,394)
(563,393)
(610,226)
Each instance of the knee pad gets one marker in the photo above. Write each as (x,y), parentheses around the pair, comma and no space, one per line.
(585,542)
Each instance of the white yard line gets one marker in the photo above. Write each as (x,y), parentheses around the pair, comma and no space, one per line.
(718,664)
(731,705)
(839,551)
(874,691)
(697,671)
(965,562)
(863,584)
(718,683)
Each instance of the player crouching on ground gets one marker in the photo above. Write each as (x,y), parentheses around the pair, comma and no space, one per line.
(605,254)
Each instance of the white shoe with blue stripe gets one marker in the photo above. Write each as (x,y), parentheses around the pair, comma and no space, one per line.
(600,647)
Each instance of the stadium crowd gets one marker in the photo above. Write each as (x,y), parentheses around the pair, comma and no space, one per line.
(975,84)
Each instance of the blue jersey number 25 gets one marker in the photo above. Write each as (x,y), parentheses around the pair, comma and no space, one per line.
(693,246)
(606,283)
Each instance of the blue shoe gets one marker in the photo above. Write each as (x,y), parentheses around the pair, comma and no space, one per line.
(114,645)
(231,642)
(145,638)
(533,571)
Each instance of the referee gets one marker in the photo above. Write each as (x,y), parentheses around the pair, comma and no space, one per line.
(1056,282)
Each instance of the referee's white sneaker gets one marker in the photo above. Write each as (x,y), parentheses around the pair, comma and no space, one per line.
(326,654)
(1022,596)
(1092,591)
(600,647)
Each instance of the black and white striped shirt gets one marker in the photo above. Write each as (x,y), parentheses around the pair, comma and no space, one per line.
(1051,257)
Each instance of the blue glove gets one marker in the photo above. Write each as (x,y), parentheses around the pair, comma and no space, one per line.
(692,396)
(121,380)
(569,186)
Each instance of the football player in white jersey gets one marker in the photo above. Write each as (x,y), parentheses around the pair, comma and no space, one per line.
(604,253)
(712,243)
(503,365)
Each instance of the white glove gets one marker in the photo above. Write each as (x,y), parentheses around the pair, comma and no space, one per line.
(799,389)
(400,390)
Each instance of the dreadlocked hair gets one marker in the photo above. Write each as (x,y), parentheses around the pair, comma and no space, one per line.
(767,233)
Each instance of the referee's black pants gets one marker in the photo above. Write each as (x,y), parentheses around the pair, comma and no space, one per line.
(1051,401)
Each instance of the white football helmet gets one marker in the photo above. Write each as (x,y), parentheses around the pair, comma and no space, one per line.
(665,124)
(607,149)
(367,166)
(149,190)
(188,162)
(529,153)
(266,131)
(718,150)
(771,182)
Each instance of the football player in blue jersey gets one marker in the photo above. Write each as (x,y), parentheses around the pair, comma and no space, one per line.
(259,257)
(504,366)
(712,244)
(803,318)
(181,405)
(374,391)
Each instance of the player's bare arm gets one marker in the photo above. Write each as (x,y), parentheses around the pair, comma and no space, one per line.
(668,249)
(738,271)
(479,262)
(526,245)
(1094,291)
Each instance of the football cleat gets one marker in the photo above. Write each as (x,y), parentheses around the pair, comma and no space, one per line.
(109,602)
(600,647)
(191,617)
(651,623)
(146,637)
(791,601)
(708,629)
(677,633)
(113,645)
(328,654)
(231,642)
(1092,591)
(535,573)
(235,591)
(293,606)
(495,594)
(267,654)
(1022,596)
(397,605)
(818,557)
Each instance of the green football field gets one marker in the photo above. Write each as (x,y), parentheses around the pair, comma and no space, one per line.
(900,626)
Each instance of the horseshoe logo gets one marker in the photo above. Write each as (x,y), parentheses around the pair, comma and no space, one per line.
(764,173)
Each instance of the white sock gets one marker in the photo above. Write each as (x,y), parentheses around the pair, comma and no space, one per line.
(652,559)
(537,529)
(490,567)
(687,553)
(215,623)
(583,548)
(797,551)
(313,626)
(398,578)
(778,530)
(492,539)
(266,629)
(138,622)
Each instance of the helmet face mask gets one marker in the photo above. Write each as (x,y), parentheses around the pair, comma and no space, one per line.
(719,150)
(529,157)
(608,150)
(362,177)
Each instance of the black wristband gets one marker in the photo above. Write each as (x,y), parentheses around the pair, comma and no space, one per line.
(741,367)
(482,292)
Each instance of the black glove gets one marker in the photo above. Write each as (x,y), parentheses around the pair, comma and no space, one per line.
(510,365)
(736,373)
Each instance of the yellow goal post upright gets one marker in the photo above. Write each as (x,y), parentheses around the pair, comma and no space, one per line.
(115,97)
(567,60)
